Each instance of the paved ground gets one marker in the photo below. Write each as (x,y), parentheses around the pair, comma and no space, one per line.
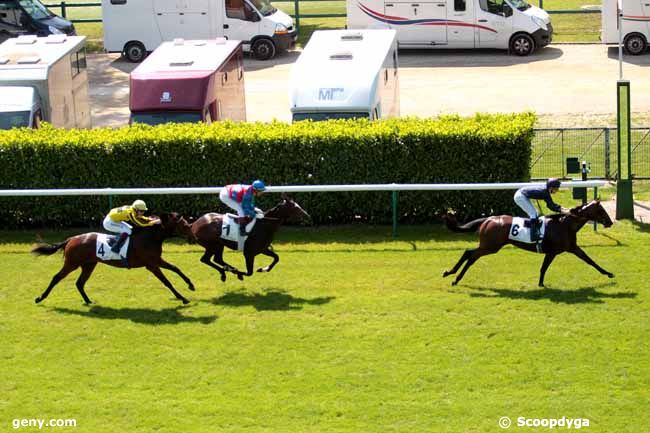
(641,210)
(562,80)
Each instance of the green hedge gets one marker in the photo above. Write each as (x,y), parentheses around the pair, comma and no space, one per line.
(485,148)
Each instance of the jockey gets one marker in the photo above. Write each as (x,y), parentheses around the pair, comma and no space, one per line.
(122,219)
(241,199)
(523,196)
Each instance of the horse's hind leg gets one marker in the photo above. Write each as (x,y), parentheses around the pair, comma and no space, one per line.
(166,265)
(86,270)
(548,258)
(464,257)
(158,273)
(474,255)
(207,259)
(65,270)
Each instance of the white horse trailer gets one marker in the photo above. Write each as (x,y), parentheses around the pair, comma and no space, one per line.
(635,24)
(346,74)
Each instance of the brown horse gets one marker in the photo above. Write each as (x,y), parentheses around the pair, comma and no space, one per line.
(207,231)
(560,236)
(145,249)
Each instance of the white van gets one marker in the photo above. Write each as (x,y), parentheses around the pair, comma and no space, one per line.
(635,24)
(504,24)
(344,74)
(135,27)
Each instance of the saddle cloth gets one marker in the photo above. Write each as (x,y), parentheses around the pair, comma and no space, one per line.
(104,244)
(520,230)
(230,230)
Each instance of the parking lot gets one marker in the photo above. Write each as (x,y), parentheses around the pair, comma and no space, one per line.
(560,80)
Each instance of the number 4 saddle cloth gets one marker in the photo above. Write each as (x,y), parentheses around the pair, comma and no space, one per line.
(104,244)
(520,230)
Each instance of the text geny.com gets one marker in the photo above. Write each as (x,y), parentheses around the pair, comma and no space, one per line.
(40,423)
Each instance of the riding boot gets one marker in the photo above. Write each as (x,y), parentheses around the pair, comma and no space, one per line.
(242,228)
(537,228)
(118,245)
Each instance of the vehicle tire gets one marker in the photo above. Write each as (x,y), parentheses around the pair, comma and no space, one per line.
(263,49)
(635,44)
(522,44)
(135,51)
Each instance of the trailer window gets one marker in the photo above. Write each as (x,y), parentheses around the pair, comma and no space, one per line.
(240,10)
(14,119)
(460,5)
(492,6)
(78,62)
(118,2)
(10,14)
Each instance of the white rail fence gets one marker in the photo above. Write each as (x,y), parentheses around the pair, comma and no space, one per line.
(392,187)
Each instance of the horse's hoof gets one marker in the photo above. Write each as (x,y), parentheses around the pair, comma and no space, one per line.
(445,274)
(185,301)
(240,277)
(454,283)
(192,288)
(541,285)
(37,300)
(610,275)
(223,277)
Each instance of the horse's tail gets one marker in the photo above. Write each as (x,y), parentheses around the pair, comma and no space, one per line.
(49,249)
(471,226)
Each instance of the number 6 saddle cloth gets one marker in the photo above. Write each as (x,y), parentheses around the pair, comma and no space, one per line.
(520,230)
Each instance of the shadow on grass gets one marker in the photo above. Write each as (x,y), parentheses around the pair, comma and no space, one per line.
(270,300)
(642,227)
(585,295)
(146,316)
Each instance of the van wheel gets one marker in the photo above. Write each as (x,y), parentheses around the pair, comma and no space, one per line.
(135,52)
(522,45)
(635,44)
(263,49)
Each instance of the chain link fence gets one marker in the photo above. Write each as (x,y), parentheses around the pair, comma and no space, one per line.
(597,146)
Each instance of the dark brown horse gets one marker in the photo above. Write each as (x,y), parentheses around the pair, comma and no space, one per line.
(207,231)
(560,236)
(145,249)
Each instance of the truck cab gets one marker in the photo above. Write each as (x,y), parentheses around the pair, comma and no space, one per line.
(20,107)
(21,17)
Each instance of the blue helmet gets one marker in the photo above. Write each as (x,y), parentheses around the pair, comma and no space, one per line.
(553,183)
(258,185)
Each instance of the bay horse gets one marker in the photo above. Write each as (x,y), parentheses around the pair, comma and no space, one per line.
(145,249)
(207,231)
(560,236)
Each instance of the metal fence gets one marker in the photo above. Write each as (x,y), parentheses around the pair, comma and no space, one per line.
(597,146)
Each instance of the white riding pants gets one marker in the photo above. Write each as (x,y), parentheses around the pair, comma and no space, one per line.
(524,203)
(117,227)
(231,203)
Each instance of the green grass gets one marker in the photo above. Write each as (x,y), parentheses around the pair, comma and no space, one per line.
(352,332)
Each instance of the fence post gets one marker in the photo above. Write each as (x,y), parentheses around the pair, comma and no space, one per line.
(394,203)
(562,148)
(607,158)
(296,8)
(63,13)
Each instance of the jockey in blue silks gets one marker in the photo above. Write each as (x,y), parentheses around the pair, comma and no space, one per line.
(241,199)
(525,194)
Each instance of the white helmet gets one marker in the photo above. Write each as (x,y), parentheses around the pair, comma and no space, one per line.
(139,205)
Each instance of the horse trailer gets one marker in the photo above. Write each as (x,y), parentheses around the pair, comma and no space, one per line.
(635,24)
(346,74)
(44,79)
(135,27)
(189,81)
(503,24)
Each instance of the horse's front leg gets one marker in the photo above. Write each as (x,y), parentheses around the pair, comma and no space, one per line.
(207,259)
(158,273)
(581,254)
(218,258)
(269,252)
(166,265)
(548,258)
(250,263)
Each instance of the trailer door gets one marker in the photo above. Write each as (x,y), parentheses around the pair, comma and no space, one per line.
(418,23)
(460,28)
(187,19)
(494,29)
